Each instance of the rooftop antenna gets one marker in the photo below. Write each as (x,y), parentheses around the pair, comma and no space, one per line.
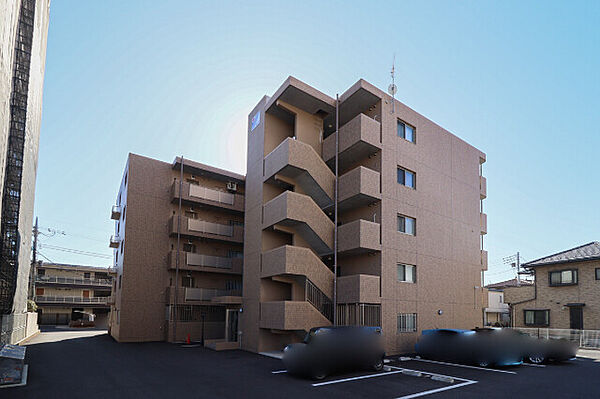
(392,89)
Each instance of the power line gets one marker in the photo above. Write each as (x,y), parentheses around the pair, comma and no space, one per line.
(76,251)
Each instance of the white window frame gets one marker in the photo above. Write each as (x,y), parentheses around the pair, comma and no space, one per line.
(404,266)
(414,232)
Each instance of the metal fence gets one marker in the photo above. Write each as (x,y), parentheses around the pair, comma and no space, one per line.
(585,338)
(70,299)
(69,280)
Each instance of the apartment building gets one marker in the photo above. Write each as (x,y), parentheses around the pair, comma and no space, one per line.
(23,36)
(565,292)
(66,294)
(410,220)
(179,229)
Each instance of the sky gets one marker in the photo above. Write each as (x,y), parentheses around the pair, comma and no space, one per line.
(518,80)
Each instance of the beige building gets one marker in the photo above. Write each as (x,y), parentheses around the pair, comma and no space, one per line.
(71,293)
(410,219)
(23,36)
(565,294)
(178,253)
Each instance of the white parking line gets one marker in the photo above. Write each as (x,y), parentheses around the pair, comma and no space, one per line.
(278,371)
(465,366)
(432,391)
(434,374)
(355,378)
(534,365)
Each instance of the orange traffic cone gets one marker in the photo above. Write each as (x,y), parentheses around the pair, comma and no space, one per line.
(187,339)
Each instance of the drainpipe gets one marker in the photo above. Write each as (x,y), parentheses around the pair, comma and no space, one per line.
(335,204)
(177,253)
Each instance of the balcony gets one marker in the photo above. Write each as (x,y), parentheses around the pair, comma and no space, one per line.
(72,300)
(300,212)
(209,294)
(206,263)
(359,187)
(209,230)
(297,261)
(484,259)
(114,241)
(66,281)
(483,222)
(358,288)
(358,139)
(193,193)
(359,236)
(482,187)
(298,161)
(290,315)
(115,213)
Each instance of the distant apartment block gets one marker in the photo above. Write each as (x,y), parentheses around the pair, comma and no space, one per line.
(67,294)
(178,248)
(410,219)
(565,294)
(23,35)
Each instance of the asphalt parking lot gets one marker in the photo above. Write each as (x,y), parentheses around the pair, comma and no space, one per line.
(89,364)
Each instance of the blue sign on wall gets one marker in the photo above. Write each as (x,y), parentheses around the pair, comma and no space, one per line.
(255,121)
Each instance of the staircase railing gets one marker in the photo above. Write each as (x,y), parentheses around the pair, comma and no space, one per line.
(319,300)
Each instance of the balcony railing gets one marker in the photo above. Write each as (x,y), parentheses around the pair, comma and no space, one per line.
(74,281)
(207,195)
(114,242)
(206,294)
(203,226)
(211,194)
(319,300)
(71,299)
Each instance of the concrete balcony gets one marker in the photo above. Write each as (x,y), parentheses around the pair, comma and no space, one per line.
(298,163)
(482,187)
(290,315)
(484,259)
(71,300)
(483,222)
(303,215)
(115,241)
(70,282)
(205,229)
(359,187)
(187,295)
(206,263)
(359,138)
(358,288)
(196,194)
(359,236)
(297,261)
(115,213)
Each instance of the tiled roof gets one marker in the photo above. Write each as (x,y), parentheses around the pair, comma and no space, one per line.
(509,283)
(589,251)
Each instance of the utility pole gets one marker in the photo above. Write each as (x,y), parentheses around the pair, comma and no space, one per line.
(518,269)
(34,260)
(335,204)
(35,240)
(515,262)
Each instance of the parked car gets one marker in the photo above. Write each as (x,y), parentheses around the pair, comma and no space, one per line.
(481,347)
(329,349)
(540,350)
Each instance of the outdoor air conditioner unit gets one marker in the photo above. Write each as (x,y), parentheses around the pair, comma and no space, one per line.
(231,186)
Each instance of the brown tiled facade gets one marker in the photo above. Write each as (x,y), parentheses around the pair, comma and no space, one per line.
(290,230)
(205,268)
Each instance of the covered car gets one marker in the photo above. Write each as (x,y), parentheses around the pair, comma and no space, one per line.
(329,349)
(540,350)
(481,347)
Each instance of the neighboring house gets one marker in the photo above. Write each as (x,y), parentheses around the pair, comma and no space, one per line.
(566,294)
(498,311)
(66,293)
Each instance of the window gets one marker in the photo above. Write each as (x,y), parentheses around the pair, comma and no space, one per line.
(406,273)
(598,273)
(407,322)
(120,278)
(406,178)
(42,272)
(187,281)
(407,225)
(189,247)
(191,214)
(563,277)
(39,291)
(235,254)
(537,317)
(86,275)
(405,131)
(236,223)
